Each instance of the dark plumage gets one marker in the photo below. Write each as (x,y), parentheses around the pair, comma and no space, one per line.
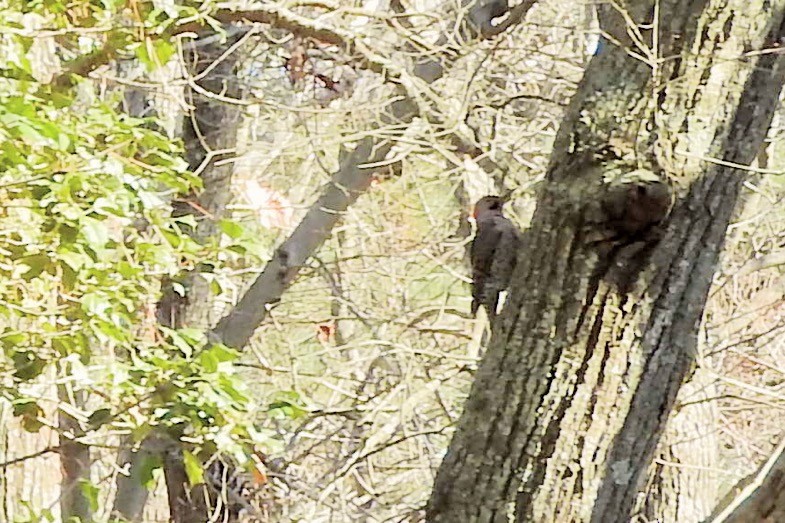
(493,253)
(483,12)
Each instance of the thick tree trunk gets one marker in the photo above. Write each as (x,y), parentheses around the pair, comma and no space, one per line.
(132,494)
(210,131)
(600,328)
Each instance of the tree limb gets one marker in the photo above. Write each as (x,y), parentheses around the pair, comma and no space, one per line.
(278,17)
(761,497)
(349,182)
(515,17)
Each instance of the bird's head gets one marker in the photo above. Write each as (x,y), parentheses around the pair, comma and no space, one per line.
(486,204)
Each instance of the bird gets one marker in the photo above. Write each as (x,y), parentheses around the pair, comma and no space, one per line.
(493,253)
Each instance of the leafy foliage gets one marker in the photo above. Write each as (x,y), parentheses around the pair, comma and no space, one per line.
(87,235)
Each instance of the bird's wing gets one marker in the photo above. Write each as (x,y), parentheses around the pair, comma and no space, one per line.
(505,255)
(484,246)
(482,253)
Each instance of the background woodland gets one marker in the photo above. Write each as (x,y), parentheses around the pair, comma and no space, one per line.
(293,180)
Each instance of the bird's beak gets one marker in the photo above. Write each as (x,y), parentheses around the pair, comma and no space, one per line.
(506,195)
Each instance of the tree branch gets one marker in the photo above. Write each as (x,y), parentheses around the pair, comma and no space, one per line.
(349,182)
(515,17)
(761,497)
(85,64)
(280,18)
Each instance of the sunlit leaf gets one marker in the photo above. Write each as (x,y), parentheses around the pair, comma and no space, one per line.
(94,232)
(193,468)
(149,465)
(90,492)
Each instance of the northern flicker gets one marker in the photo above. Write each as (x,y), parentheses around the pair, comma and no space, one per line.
(493,253)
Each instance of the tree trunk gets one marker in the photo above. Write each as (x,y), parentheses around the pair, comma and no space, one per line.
(600,328)
(210,134)
(75,459)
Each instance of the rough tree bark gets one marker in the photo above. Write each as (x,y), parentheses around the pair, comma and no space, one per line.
(584,365)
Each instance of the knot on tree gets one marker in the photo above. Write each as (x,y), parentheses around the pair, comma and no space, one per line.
(625,222)
(633,204)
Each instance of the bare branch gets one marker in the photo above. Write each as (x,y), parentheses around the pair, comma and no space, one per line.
(516,15)
(349,182)
(761,497)
(33,455)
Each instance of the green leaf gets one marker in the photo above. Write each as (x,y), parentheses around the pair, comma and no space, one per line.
(27,365)
(27,408)
(189,220)
(223,353)
(64,345)
(96,304)
(149,465)
(13,339)
(154,53)
(193,468)
(210,359)
(226,384)
(163,50)
(74,260)
(208,362)
(286,404)
(30,413)
(179,342)
(94,232)
(231,228)
(90,491)
(99,417)
(68,234)
(37,264)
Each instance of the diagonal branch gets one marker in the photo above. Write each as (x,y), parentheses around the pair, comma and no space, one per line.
(759,497)
(280,18)
(515,17)
(349,182)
